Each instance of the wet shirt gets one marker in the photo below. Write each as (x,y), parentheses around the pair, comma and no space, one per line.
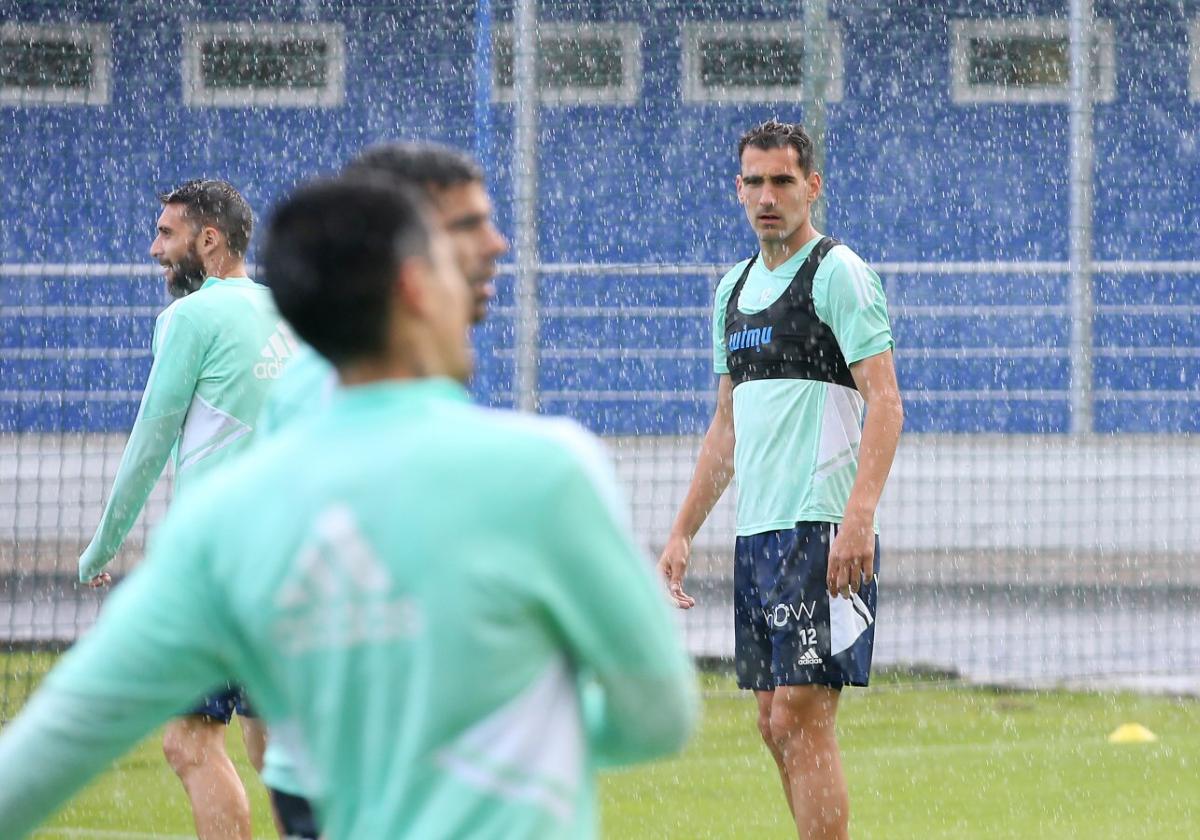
(796,440)
(306,387)
(439,607)
(216,352)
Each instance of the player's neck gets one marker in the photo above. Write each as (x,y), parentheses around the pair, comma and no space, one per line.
(409,357)
(775,252)
(225,267)
(368,371)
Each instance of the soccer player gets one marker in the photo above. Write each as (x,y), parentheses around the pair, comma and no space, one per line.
(445,613)
(216,351)
(453,185)
(802,346)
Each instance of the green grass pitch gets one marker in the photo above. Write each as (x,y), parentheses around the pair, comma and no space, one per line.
(924,760)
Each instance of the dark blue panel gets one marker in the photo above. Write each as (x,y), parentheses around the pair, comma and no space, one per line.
(67,416)
(82,291)
(635,417)
(669,290)
(1017,289)
(1047,373)
(495,333)
(617,330)
(1146,330)
(629,374)
(1143,374)
(1147,289)
(1150,131)
(1159,416)
(999,415)
(70,331)
(505,285)
(979,331)
(76,374)
(492,384)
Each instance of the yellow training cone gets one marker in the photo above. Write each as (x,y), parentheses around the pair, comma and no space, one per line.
(1131,733)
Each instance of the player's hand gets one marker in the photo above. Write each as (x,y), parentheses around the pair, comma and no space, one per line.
(100,581)
(852,556)
(672,565)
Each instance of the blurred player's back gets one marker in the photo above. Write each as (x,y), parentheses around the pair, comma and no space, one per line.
(421,595)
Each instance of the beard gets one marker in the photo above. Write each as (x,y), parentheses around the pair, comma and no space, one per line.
(186,276)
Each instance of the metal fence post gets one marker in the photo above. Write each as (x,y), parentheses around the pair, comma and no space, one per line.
(815,83)
(525,161)
(1080,258)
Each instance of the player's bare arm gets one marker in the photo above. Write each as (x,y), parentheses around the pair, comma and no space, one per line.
(852,555)
(714,470)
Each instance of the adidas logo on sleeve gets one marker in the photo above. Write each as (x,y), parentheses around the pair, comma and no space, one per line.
(275,354)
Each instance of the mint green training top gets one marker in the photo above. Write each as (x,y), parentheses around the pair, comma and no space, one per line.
(439,606)
(795,454)
(215,354)
(305,388)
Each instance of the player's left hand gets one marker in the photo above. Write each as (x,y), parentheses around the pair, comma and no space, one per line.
(100,581)
(852,556)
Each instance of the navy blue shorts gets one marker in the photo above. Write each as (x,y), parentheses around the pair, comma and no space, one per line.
(787,628)
(220,705)
(296,816)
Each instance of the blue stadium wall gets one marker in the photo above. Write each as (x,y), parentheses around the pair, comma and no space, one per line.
(911,176)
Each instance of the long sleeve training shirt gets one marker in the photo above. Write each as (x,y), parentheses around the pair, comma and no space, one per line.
(216,352)
(438,605)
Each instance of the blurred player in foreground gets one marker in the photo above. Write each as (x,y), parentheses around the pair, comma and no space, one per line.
(216,351)
(803,348)
(445,610)
(453,185)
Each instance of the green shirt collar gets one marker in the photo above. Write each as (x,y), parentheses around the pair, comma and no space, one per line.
(407,391)
(234,281)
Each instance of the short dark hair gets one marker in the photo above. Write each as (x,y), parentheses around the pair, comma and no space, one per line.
(425,165)
(773,134)
(217,204)
(330,256)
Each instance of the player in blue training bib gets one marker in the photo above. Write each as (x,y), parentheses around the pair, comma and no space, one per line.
(808,417)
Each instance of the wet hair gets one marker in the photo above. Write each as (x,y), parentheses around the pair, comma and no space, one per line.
(330,258)
(210,203)
(424,165)
(773,134)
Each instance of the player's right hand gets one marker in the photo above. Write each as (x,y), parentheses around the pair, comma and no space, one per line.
(100,581)
(672,565)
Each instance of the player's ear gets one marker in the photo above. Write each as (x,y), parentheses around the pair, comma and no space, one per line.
(210,239)
(410,285)
(737,185)
(814,184)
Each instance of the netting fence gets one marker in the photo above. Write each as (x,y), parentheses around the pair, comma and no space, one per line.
(1040,523)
